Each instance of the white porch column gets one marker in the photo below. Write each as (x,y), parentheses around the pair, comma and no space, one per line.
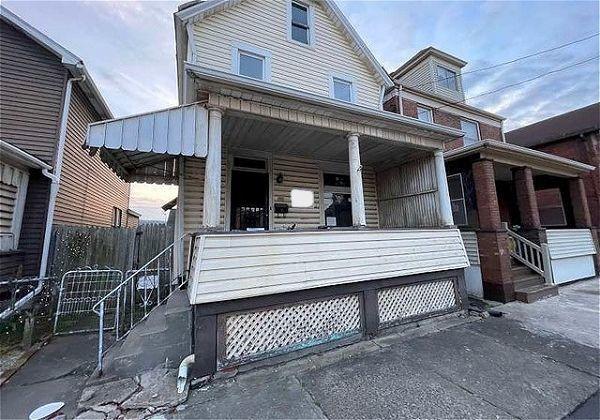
(443,193)
(212,173)
(356,183)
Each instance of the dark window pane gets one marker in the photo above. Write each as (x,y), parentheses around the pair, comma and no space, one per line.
(551,207)
(455,187)
(299,14)
(334,180)
(338,209)
(459,212)
(251,66)
(300,34)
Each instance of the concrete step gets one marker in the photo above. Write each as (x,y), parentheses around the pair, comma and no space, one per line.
(534,293)
(519,269)
(528,280)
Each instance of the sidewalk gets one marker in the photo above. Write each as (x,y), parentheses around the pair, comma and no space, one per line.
(538,361)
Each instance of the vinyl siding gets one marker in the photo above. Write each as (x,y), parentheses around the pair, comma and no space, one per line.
(234,266)
(31,93)
(297,173)
(264,24)
(89,189)
(423,76)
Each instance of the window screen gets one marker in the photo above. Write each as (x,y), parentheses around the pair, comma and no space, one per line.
(300,26)
(342,90)
(550,207)
(446,78)
(471,130)
(251,65)
(424,114)
(457,199)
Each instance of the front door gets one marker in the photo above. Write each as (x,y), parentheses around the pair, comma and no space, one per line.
(249,200)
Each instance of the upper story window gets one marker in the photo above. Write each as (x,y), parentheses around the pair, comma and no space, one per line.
(424,114)
(301,23)
(471,129)
(251,62)
(342,88)
(446,78)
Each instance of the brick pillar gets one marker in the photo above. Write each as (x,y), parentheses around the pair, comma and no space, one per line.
(492,239)
(526,199)
(581,211)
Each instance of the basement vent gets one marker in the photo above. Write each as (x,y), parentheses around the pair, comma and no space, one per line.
(267,332)
(399,303)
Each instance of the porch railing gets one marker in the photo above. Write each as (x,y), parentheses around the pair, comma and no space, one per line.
(532,255)
(142,291)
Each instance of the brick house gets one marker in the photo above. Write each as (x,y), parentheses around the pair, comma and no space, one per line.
(573,135)
(513,255)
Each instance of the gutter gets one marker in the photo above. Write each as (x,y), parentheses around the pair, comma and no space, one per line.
(294,94)
(55,175)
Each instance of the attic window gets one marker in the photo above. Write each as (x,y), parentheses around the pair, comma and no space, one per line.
(300,23)
(251,61)
(341,88)
(446,78)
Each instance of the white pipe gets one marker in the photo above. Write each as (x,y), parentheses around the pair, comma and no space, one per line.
(182,375)
(55,175)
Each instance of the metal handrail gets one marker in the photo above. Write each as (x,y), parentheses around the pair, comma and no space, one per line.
(98,308)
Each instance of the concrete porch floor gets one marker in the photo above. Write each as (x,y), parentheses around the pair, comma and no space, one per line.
(538,361)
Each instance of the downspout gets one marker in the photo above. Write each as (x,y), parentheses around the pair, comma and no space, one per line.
(400,106)
(55,175)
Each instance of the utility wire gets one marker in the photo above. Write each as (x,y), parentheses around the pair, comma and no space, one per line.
(505,63)
(521,82)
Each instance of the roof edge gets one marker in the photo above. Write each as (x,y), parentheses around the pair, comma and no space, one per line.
(422,55)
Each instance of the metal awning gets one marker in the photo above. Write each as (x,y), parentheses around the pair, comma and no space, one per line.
(144,147)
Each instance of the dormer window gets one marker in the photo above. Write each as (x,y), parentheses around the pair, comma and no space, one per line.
(250,61)
(341,88)
(300,23)
(446,78)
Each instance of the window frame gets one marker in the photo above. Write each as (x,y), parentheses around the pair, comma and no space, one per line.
(117,214)
(478,130)
(310,22)
(441,81)
(562,207)
(239,48)
(343,78)
(19,179)
(332,189)
(429,111)
(464,201)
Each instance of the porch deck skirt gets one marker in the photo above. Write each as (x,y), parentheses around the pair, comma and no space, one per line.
(249,317)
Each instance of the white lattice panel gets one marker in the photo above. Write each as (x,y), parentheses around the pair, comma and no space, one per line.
(416,299)
(249,335)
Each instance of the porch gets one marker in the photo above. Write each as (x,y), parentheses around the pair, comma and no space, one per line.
(312,221)
(525,217)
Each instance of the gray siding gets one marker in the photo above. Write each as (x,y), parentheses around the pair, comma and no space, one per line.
(31,93)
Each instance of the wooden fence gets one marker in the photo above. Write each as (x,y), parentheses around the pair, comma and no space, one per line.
(75,247)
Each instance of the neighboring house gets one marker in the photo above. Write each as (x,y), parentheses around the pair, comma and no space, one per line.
(47,99)
(317,215)
(495,187)
(573,135)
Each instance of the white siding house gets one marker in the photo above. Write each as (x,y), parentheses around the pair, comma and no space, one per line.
(301,193)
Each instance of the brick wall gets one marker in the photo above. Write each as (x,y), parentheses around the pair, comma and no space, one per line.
(586,151)
(409,107)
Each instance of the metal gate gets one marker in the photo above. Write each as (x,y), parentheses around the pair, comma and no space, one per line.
(79,291)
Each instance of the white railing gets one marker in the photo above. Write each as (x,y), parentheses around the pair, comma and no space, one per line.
(532,255)
(141,292)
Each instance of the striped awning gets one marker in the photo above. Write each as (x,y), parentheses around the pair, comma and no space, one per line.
(178,131)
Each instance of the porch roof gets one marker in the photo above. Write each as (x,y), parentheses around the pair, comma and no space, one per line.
(519,156)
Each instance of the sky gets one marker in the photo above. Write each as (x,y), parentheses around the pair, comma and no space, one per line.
(129,49)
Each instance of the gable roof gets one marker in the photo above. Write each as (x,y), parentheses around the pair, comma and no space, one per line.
(570,124)
(196,11)
(72,63)
(422,55)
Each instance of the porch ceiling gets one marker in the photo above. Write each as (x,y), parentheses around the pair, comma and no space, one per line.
(243,132)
